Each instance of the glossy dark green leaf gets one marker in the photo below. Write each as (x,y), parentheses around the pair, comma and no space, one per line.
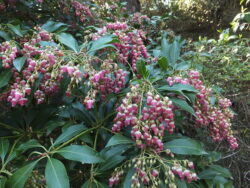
(185,146)
(69,133)
(141,68)
(5,76)
(52,26)
(128,179)
(223,171)
(56,174)
(5,35)
(19,62)
(103,42)
(19,178)
(118,139)
(163,63)
(108,152)
(53,124)
(48,43)
(29,145)
(69,41)
(4,148)
(111,162)
(178,88)
(183,105)
(16,29)
(83,154)
(246,17)
(181,183)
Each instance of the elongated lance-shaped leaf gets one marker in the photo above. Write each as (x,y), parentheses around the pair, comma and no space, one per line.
(83,154)
(56,174)
(19,178)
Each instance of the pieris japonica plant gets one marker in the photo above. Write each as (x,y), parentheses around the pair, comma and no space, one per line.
(103,109)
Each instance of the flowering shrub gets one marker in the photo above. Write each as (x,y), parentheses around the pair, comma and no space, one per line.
(103,109)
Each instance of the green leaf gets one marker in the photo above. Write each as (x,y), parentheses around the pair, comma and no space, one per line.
(178,88)
(56,174)
(4,147)
(52,26)
(128,179)
(48,43)
(223,171)
(87,184)
(181,183)
(183,105)
(119,139)
(246,17)
(83,154)
(165,46)
(19,62)
(5,77)
(69,133)
(141,68)
(102,42)
(183,66)
(185,146)
(53,124)
(69,41)
(175,51)
(16,29)
(18,179)
(28,145)
(5,35)
(111,162)
(108,152)
(163,63)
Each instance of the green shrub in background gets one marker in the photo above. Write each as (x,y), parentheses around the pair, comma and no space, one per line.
(224,62)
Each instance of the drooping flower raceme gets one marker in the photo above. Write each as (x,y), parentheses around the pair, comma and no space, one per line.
(148,120)
(216,118)
(131,46)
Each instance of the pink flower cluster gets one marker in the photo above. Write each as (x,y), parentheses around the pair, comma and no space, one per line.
(143,176)
(115,179)
(117,26)
(216,118)
(131,46)
(40,63)
(82,11)
(139,19)
(149,126)
(184,174)
(9,51)
(107,82)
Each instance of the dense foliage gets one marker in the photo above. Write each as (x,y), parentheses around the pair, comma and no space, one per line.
(94,97)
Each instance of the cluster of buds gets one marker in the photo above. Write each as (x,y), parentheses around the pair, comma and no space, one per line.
(9,51)
(117,26)
(151,168)
(216,118)
(184,174)
(139,19)
(82,11)
(131,46)
(107,82)
(44,63)
(148,127)
(116,177)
